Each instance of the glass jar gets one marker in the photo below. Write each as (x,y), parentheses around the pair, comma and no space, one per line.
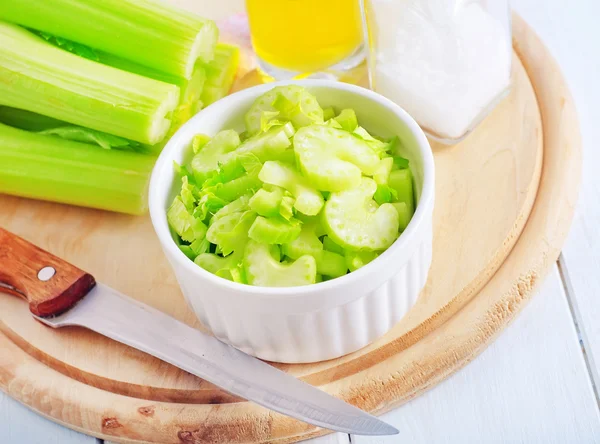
(446,62)
(300,38)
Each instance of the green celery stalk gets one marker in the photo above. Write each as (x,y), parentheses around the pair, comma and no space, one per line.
(39,77)
(190,87)
(29,121)
(220,73)
(49,168)
(149,32)
(26,120)
(189,103)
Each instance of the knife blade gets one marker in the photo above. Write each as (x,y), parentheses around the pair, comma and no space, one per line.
(61,295)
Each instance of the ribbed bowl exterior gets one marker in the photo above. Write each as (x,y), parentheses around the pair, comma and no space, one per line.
(318,335)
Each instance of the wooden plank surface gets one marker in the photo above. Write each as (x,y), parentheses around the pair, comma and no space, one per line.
(564,26)
(19,425)
(530,386)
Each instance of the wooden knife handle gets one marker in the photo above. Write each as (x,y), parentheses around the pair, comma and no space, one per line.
(50,285)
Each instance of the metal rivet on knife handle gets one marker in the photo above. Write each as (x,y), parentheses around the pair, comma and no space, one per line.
(46,273)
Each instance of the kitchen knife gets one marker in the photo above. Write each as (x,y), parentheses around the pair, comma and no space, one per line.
(60,295)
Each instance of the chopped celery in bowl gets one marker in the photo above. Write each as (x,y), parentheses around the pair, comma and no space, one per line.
(258,206)
(297,220)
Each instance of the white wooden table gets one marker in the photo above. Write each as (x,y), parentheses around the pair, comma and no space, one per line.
(537,382)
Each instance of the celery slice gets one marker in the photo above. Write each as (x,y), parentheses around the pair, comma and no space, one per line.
(49,168)
(185,225)
(215,264)
(225,274)
(275,202)
(332,123)
(230,232)
(328,113)
(330,245)
(347,120)
(358,259)
(148,32)
(182,171)
(354,221)
(404,214)
(286,207)
(199,141)
(207,159)
(332,159)
(308,200)
(238,275)
(262,270)
(233,170)
(331,264)
(306,243)
(275,252)
(400,163)
(274,230)
(208,205)
(233,189)
(187,250)
(220,73)
(36,76)
(238,205)
(384,194)
(382,173)
(200,246)
(292,102)
(315,222)
(402,182)
(264,146)
(187,194)
(376,145)
(266,203)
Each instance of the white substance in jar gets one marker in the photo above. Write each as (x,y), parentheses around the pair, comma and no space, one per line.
(446,62)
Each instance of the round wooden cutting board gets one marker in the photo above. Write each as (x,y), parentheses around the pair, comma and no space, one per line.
(504,202)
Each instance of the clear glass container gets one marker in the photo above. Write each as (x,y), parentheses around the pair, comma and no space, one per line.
(446,62)
(302,38)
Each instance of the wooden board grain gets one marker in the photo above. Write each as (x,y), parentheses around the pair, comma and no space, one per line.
(486,187)
(497,167)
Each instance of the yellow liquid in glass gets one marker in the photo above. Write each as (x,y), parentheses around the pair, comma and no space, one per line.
(304,35)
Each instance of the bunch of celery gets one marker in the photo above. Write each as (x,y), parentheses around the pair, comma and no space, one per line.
(90,90)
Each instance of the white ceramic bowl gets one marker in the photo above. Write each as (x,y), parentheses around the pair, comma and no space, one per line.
(313,322)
